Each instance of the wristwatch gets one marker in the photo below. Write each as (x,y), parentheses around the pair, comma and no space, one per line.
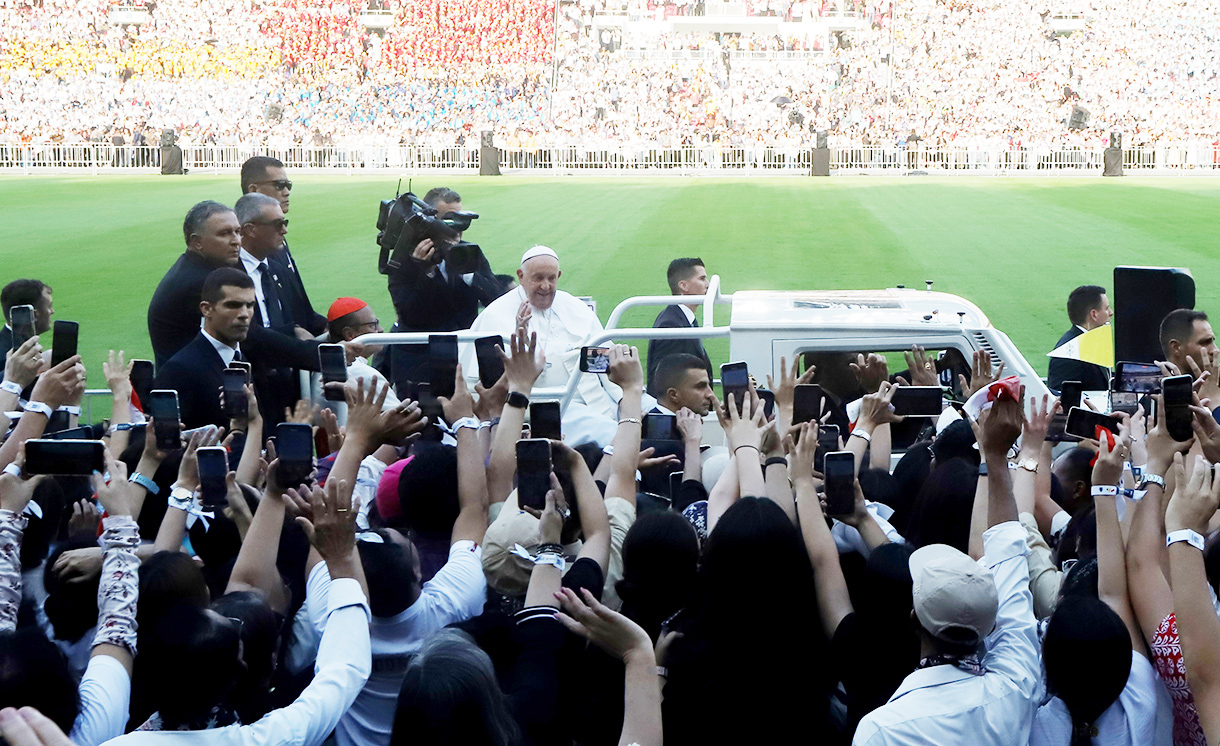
(517,400)
(1151,479)
(1029,464)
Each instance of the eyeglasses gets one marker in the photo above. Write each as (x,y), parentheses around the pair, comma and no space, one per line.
(284,185)
(279,225)
(374,322)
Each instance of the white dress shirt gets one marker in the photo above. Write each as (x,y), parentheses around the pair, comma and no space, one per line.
(226,352)
(1130,721)
(253,267)
(343,665)
(944,705)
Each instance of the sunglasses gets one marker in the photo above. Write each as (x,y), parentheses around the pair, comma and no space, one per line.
(284,185)
(279,225)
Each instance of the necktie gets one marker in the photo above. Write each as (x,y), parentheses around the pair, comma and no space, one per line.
(271,298)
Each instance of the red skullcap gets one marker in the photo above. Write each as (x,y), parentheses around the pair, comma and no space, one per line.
(343,306)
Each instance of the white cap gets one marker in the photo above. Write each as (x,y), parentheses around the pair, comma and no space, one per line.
(952,591)
(539,251)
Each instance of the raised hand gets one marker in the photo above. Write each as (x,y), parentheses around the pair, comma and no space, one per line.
(1039,422)
(118,375)
(788,381)
(17,491)
(625,369)
(801,450)
(115,495)
(614,633)
(1109,467)
(84,519)
(871,371)
(331,524)
(1195,495)
(302,413)
(648,461)
(875,408)
(921,369)
(981,374)
(745,429)
(690,425)
(63,384)
(23,364)
(1002,425)
(462,403)
(524,364)
(370,424)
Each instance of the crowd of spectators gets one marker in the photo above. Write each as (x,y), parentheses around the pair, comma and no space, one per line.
(981,74)
(383,558)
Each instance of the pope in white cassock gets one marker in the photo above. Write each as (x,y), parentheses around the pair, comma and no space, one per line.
(562,323)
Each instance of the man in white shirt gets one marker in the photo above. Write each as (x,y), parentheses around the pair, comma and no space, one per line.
(956,695)
(563,323)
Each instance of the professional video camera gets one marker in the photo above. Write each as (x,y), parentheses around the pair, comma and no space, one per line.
(406,220)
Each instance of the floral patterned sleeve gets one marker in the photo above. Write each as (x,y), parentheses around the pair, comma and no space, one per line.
(12,525)
(119,588)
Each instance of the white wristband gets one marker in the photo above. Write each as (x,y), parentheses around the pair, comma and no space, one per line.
(470,422)
(70,409)
(555,560)
(1193,538)
(11,386)
(1103,490)
(13,469)
(858,433)
(39,408)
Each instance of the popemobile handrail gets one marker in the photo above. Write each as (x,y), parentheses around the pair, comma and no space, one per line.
(565,393)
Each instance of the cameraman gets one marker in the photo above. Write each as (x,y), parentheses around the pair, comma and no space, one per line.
(427,295)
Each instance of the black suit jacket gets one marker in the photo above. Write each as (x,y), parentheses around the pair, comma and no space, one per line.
(174,318)
(658,349)
(1092,377)
(425,301)
(195,373)
(303,314)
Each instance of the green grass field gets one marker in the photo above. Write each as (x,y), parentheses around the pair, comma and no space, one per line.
(1015,247)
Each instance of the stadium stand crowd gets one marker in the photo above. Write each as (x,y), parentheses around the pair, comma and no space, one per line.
(234,557)
(971,74)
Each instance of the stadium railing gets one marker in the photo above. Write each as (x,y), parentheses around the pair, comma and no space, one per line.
(609,159)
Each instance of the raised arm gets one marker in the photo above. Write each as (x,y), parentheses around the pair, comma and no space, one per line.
(1147,584)
(874,412)
(521,370)
(622,638)
(690,425)
(255,568)
(594,522)
(471,523)
(744,432)
(368,426)
(182,498)
(834,602)
(118,380)
(998,431)
(1111,559)
(785,392)
(21,368)
(60,385)
(625,370)
(1194,500)
(15,494)
(118,590)
(248,467)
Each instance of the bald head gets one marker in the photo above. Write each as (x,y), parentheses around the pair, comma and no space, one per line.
(539,278)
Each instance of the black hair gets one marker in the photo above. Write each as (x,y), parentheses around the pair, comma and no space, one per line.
(1082,300)
(660,561)
(1081,580)
(436,195)
(198,216)
(390,571)
(1087,654)
(221,278)
(879,486)
(428,490)
(1079,539)
(956,441)
(1077,465)
(450,697)
(1179,324)
(21,293)
(941,514)
(254,170)
(71,608)
(910,473)
(672,370)
(34,672)
(260,638)
(190,639)
(41,532)
(168,579)
(680,270)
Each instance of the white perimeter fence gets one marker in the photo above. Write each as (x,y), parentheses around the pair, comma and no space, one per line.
(94,158)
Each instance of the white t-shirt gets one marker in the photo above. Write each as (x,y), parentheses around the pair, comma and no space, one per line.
(105,698)
(1130,721)
(456,593)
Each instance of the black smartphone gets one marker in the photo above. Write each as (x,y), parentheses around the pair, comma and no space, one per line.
(21,321)
(1178,395)
(735,381)
(443,359)
(533,472)
(660,426)
(163,410)
(840,472)
(675,484)
(491,368)
(67,457)
(1069,395)
(237,406)
(1083,423)
(918,401)
(213,467)
(63,341)
(594,359)
(141,380)
(768,401)
(72,433)
(294,449)
(243,365)
(544,420)
(332,360)
(806,403)
(828,442)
